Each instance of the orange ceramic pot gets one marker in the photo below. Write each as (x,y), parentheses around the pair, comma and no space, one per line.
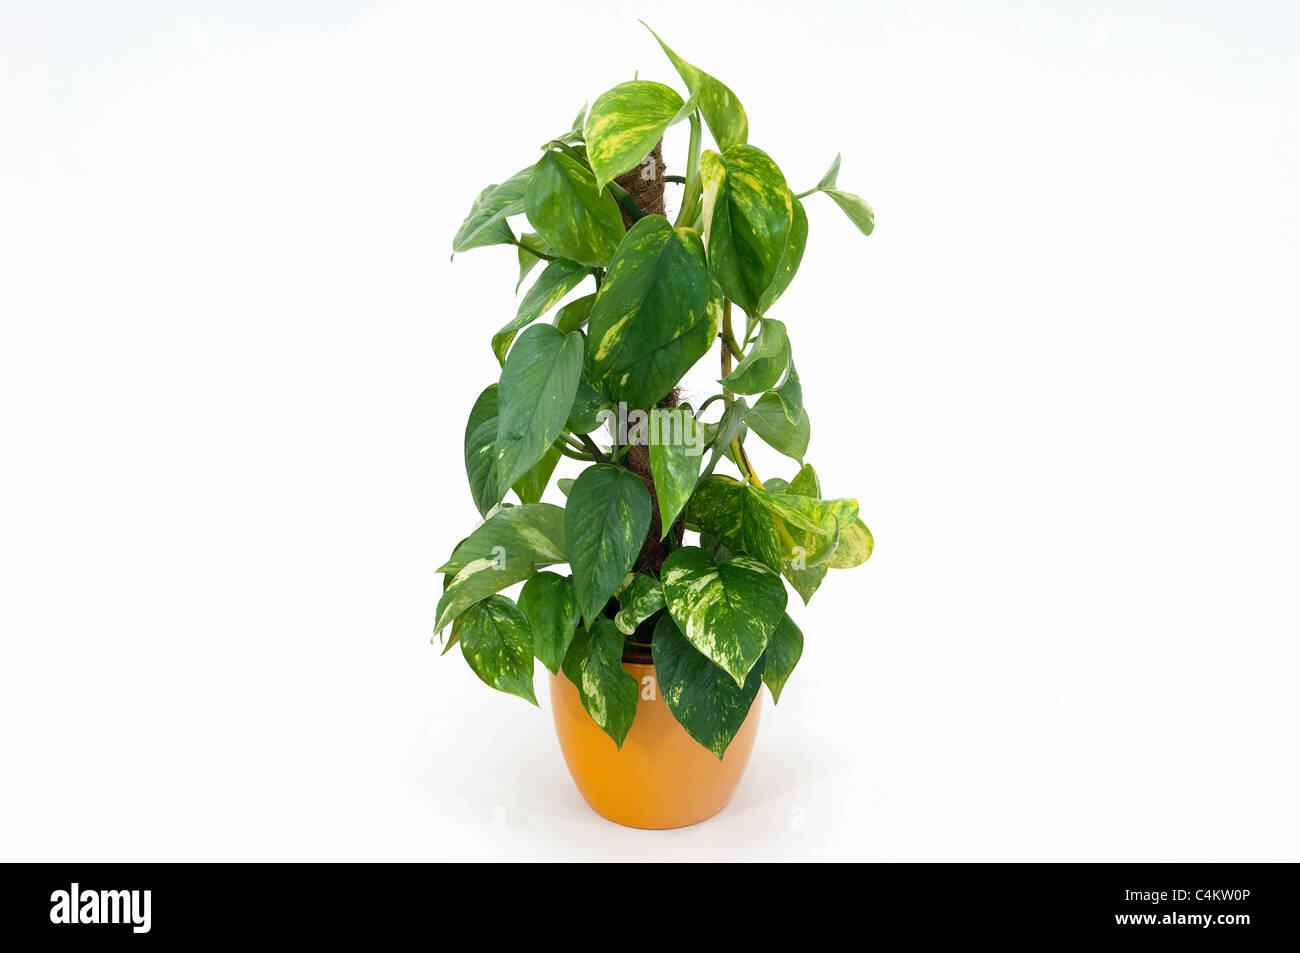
(661,777)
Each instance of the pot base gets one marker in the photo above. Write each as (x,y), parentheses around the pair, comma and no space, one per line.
(662,777)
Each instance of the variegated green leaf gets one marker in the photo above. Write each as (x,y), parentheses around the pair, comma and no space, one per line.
(856,208)
(650,322)
(828,180)
(532,484)
(486,222)
(556,280)
(782,655)
(639,597)
(765,364)
(497,643)
(552,609)
(704,699)
(729,426)
(790,259)
(625,123)
(565,484)
(805,581)
(855,548)
(577,219)
(527,260)
(721,109)
(768,419)
(589,410)
(748,215)
(574,135)
(574,314)
(605,520)
(790,394)
(594,663)
(480,438)
(726,610)
(535,395)
(513,544)
(675,460)
(775,528)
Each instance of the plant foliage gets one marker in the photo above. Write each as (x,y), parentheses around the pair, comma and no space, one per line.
(712,611)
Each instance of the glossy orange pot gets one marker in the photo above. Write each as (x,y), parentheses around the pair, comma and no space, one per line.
(661,777)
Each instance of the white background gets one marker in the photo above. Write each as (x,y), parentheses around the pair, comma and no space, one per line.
(235,364)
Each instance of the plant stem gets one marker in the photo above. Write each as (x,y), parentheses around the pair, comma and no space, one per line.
(561,446)
(686,214)
(729,347)
(594,450)
(533,251)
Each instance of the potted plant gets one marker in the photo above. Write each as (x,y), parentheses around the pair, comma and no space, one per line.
(673,611)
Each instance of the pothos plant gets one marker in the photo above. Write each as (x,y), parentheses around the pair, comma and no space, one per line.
(599,384)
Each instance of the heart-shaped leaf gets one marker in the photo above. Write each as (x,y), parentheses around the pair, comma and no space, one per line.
(650,321)
(674,462)
(768,419)
(765,364)
(748,215)
(486,222)
(624,125)
(594,663)
(552,609)
(726,610)
(782,655)
(513,544)
(639,597)
(605,521)
(535,395)
(704,699)
(721,108)
(575,217)
(497,643)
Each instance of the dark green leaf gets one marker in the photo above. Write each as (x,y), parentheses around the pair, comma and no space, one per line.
(578,220)
(730,426)
(538,383)
(650,322)
(486,222)
(764,365)
(574,314)
(674,463)
(497,643)
(589,409)
(527,260)
(703,698)
(532,484)
(548,601)
(748,215)
(513,544)
(790,258)
(480,438)
(556,280)
(783,651)
(605,520)
(594,664)
(767,418)
(726,610)
(639,597)
(790,394)
(775,528)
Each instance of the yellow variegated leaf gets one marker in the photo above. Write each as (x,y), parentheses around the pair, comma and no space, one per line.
(625,123)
